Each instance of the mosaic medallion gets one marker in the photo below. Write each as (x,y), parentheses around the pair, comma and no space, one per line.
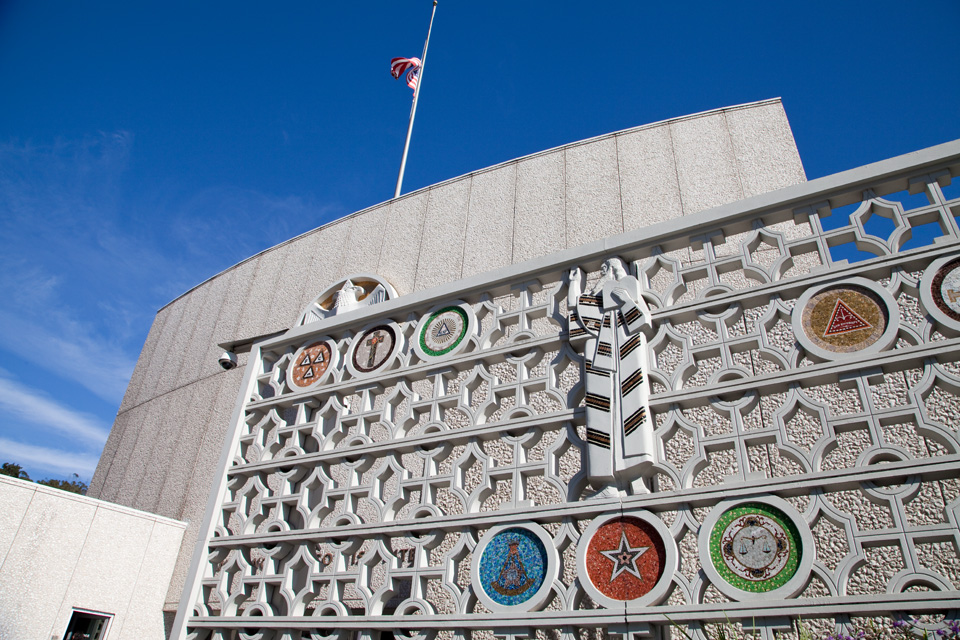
(309,364)
(625,558)
(444,331)
(846,318)
(758,547)
(513,566)
(373,348)
(516,567)
(755,547)
(940,291)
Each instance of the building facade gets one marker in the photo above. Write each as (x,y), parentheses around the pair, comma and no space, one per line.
(605,389)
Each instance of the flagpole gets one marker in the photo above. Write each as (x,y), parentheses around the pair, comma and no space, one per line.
(413,109)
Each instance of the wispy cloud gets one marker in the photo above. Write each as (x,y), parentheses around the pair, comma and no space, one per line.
(52,460)
(38,409)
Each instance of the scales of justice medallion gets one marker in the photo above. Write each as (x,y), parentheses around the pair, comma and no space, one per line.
(755,547)
(513,566)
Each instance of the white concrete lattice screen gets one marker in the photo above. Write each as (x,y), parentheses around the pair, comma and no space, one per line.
(372,492)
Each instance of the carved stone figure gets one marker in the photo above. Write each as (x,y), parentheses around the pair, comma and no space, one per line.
(607,321)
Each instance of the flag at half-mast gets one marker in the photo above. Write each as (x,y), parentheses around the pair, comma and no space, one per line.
(409,65)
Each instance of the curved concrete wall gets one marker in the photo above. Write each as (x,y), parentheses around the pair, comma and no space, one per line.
(162,452)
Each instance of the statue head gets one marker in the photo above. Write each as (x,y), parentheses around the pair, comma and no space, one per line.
(613,269)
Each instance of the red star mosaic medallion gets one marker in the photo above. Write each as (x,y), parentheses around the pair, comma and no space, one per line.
(625,558)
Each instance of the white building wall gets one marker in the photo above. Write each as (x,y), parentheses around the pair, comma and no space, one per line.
(60,551)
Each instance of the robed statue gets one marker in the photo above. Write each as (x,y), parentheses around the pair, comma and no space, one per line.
(607,322)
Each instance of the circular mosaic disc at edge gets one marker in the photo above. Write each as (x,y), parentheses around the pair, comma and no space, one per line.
(513,566)
(844,318)
(755,547)
(308,365)
(625,558)
(374,347)
(444,331)
(940,291)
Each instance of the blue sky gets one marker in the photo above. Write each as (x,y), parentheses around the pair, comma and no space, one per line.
(146,146)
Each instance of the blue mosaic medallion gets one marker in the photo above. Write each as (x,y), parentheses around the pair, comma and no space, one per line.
(513,566)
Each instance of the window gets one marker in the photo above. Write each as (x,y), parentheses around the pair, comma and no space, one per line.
(86,625)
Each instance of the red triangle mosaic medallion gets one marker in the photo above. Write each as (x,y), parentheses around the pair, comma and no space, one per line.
(844,320)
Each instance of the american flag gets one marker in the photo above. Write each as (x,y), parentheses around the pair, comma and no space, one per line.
(411,66)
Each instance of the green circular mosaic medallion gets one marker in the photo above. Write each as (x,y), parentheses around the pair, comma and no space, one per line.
(444,330)
(755,547)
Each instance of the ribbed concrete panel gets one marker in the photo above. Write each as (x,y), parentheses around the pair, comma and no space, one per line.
(365,242)
(256,308)
(14,500)
(167,433)
(136,459)
(145,360)
(129,424)
(326,249)
(402,236)
(180,465)
(164,356)
(767,157)
(539,227)
(441,252)
(108,455)
(706,166)
(489,234)
(214,295)
(285,305)
(144,617)
(52,523)
(648,177)
(201,480)
(110,557)
(593,192)
(169,377)
(229,316)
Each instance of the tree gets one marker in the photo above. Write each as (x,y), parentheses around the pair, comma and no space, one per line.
(73,486)
(14,471)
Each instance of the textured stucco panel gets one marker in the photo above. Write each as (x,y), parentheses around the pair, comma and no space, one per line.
(539,226)
(191,431)
(179,347)
(402,234)
(129,424)
(489,234)
(140,371)
(43,555)
(14,498)
(365,242)
(166,434)
(229,316)
(136,459)
(202,478)
(256,308)
(144,617)
(648,177)
(767,156)
(325,248)
(106,571)
(706,166)
(162,354)
(214,295)
(592,196)
(441,251)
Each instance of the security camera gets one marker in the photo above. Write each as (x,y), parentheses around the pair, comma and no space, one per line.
(228,360)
